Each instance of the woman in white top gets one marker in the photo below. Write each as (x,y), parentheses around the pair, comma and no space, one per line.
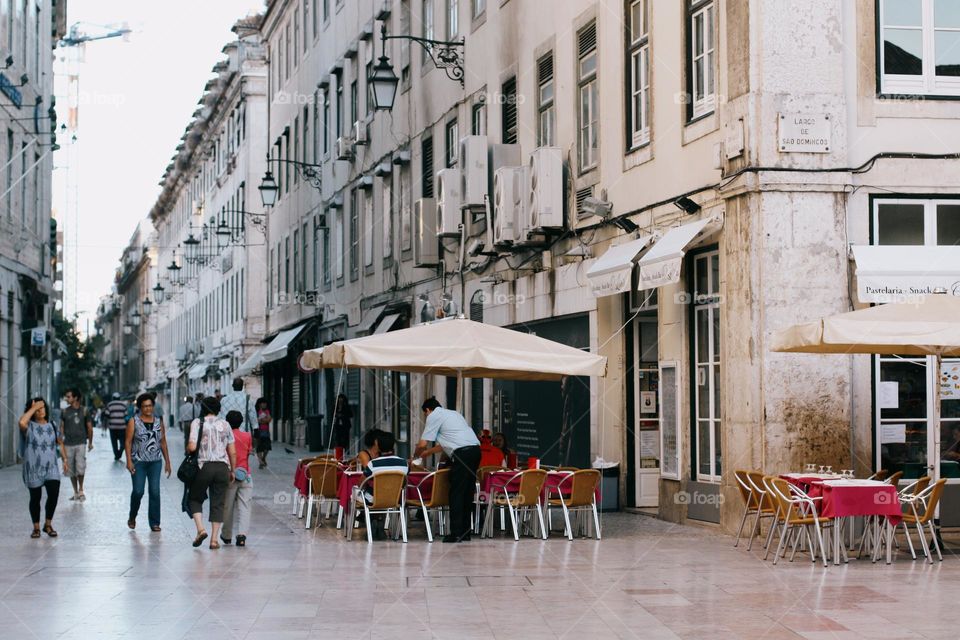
(217,458)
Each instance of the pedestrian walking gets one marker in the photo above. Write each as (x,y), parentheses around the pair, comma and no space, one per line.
(76,431)
(186,414)
(38,448)
(452,435)
(240,401)
(117,423)
(264,442)
(342,425)
(146,447)
(240,491)
(216,457)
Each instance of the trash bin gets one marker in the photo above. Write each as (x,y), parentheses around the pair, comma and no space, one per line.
(314,435)
(609,484)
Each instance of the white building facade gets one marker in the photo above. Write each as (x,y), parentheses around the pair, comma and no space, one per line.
(28,33)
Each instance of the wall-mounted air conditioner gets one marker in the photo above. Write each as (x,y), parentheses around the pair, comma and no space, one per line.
(359,132)
(449,201)
(344,149)
(508,201)
(474,174)
(402,157)
(425,253)
(545,203)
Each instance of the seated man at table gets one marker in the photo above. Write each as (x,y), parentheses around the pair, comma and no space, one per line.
(384,460)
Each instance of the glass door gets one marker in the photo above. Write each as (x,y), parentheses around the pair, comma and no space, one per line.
(646,396)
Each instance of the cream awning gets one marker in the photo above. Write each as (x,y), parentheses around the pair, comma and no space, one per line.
(250,364)
(387,323)
(610,273)
(198,370)
(277,348)
(661,264)
(892,273)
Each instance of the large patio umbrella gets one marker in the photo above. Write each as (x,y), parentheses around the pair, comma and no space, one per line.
(461,348)
(927,326)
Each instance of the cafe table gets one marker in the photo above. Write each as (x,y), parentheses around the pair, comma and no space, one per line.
(507,480)
(347,480)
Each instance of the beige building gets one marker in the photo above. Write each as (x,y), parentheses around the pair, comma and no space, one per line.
(28,33)
(663,183)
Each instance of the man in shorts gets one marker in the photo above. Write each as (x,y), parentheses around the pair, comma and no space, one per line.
(76,429)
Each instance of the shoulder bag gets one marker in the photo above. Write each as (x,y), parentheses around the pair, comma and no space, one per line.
(190,467)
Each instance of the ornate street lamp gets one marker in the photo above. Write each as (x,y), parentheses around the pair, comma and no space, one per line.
(135,318)
(268,189)
(147,305)
(446,55)
(158,294)
(224,234)
(191,248)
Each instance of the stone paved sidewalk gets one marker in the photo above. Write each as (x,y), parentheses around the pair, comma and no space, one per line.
(645,579)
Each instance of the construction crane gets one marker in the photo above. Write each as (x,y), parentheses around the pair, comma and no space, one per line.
(79,35)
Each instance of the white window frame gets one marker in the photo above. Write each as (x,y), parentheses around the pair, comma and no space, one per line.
(638,48)
(711,305)
(588,100)
(546,107)
(453,19)
(429,26)
(368,227)
(677,428)
(929,215)
(478,8)
(927,83)
(451,142)
(703,102)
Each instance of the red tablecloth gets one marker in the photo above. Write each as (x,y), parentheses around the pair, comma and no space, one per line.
(300,480)
(843,498)
(496,480)
(347,480)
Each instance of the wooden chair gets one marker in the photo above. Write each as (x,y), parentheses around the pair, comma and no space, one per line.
(299,501)
(799,510)
(751,504)
(481,498)
(522,501)
(923,506)
(582,500)
(767,508)
(323,487)
(439,501)
(879,475)
(894,480)
(388,498)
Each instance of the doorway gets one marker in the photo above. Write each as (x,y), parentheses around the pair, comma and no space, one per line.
(646,414)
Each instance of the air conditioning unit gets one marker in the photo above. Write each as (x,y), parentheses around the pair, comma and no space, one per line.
(449,216)
(344,149)
(508,201)
(425,253)
(359,132)
(545,203)
(473,166)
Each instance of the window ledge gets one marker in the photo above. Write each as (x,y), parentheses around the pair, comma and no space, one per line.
(638,155)
(700,127)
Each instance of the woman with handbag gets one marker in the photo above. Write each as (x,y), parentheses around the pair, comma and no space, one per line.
(216,458)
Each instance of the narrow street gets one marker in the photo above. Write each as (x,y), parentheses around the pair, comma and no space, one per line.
(647,579)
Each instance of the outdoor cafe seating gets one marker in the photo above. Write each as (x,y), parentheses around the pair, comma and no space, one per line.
(818,512)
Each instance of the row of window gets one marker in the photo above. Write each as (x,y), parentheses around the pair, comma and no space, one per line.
(20,32)
(22,187)
(220,308)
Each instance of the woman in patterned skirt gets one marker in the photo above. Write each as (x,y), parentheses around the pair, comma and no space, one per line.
(39,441)
(146,446)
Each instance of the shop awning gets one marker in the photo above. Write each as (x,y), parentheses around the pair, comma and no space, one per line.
(661,264)
(894,273)
(250,364)
(368,320)
(277,348)
(387,323)
(198,370)
(610,274)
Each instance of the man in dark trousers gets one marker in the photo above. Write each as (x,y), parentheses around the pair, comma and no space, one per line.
(452,435)
(117,422)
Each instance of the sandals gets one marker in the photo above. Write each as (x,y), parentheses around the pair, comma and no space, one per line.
(214,545)
(132,523)
(200,538)
(241,541)
(155,529)
(35,533)
(49,531)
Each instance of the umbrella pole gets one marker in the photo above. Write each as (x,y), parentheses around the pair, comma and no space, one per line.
(459,391)
(936,428)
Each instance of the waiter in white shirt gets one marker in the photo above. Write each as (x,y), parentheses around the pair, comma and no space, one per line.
(452,435)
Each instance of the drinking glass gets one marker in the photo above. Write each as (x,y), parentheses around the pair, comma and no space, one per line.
(821,468)
(829,469)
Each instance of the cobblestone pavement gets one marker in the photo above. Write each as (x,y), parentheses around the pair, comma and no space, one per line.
(645,579)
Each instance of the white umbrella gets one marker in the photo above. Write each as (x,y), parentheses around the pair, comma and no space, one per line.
(461,348)
(928,326)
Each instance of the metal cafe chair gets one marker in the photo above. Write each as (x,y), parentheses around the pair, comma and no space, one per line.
(927,500)
(439,501)
(582,500)
(322,488)
(521,502)
(388,498)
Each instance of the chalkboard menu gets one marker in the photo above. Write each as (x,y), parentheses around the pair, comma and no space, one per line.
(549,420)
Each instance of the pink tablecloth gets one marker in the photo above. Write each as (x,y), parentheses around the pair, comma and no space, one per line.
(843,498)
(347,480)
(300,480)
(496,481)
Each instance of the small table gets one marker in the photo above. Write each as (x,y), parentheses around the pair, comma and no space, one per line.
(846,498)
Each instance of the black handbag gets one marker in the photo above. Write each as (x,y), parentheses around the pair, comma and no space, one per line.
(190,467)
